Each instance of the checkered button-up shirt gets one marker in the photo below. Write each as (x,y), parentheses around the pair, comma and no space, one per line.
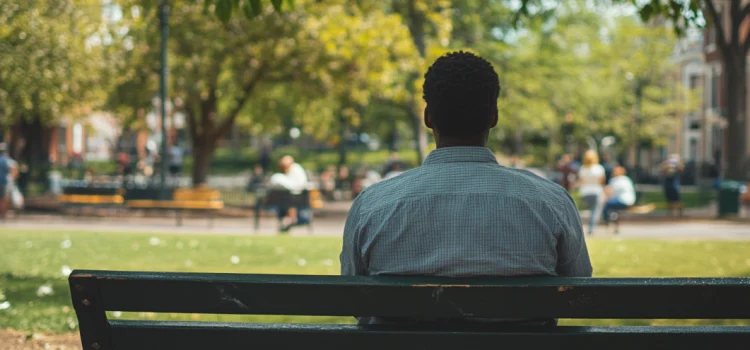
(462,214)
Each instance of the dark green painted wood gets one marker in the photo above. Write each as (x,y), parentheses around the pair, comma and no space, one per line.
(529,297)
(190,335)
(92,318)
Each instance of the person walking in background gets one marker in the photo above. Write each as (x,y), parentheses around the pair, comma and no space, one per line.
(5,173)
(566,172)
(256,179)
(671,171)
(620,193)
(591,186)
(608,167)
(265,157)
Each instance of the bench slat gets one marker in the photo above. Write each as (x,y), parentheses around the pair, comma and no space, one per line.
(674,298)
(204,335)
(175,204)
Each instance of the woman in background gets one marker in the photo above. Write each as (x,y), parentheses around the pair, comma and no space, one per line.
(621,193)
(671,170)
(590,185)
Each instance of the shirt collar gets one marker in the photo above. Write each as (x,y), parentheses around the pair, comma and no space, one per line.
(460,154)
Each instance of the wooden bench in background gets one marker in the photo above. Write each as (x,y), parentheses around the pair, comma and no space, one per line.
(205,200)
(79,198)
(94,293)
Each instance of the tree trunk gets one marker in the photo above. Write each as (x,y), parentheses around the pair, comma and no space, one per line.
(417,30)
(203,151)
(736,119)
(35,152)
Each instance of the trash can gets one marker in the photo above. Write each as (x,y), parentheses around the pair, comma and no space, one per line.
(729,197)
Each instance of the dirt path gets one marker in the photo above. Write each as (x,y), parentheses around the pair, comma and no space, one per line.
(15,340)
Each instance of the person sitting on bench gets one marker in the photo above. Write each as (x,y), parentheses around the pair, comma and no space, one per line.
(461,213)
(294,179)
(621,193)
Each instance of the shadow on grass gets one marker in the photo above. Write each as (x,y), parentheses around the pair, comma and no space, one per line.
(30,311)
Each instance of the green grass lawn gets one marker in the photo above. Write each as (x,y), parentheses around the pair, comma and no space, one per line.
(32,259)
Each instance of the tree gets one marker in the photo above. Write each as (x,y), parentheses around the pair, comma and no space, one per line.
(324,53)
(216,67)
(51,67)
(733,42)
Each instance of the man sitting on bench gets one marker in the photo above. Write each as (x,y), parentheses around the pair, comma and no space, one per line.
(294,179)
(461,213)
(621,193)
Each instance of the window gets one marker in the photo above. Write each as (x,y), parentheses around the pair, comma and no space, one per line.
(694,81)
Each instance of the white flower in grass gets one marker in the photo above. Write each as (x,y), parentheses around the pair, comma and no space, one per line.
(188,263)
(4,305)
(301,262)
(235,259)
(154,241)
(327,262)
(65,270)
(117,314)
(44,290)
(66,244)
(29,244)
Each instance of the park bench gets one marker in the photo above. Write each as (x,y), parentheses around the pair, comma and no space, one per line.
(94,293)
(204,200)
(79,198)
(273,198)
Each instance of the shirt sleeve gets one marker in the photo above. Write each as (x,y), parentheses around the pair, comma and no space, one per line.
(572,253)
(351,256)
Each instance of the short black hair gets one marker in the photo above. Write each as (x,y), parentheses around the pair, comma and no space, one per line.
(461,91)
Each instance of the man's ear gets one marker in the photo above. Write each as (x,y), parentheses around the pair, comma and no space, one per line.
(427,119)
(493,122)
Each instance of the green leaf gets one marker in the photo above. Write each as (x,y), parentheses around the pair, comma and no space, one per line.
(276,5)
(256,7)
(223,10)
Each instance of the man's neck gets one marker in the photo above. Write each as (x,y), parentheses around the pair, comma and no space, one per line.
(445,144)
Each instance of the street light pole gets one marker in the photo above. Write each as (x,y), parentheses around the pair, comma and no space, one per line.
(163,19)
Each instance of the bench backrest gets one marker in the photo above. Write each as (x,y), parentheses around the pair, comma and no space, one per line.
(196,194)
(280,197)
(95,292)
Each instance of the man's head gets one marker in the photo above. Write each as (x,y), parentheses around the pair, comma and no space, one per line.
(285,163)
(461,92)
(619,171)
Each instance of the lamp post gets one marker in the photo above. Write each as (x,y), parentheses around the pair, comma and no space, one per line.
(163,18)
